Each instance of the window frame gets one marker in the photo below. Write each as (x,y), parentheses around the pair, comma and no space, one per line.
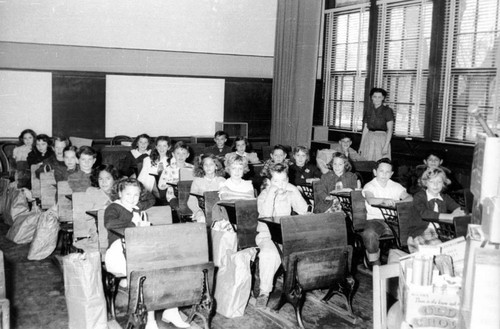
(434,128)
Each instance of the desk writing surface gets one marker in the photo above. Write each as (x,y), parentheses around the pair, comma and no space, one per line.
(382,206)
(119,231)
(227,203)
(92,213)
(341,193)
(274,225)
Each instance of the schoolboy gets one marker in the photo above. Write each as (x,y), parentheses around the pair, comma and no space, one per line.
(79,181)
(344,146)
(278,155)
(433,159)
(220,149)
(277,199)
(381,190)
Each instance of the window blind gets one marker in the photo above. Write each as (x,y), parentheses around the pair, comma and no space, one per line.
(402,61)
(469,73)
(346,39)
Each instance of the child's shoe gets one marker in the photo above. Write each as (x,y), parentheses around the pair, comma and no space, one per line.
(172,315)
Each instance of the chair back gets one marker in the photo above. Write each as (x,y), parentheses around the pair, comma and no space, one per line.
(78,141)
(48,189)
(64,205)
(161,215)
(6,157)
(166,288)
(358,210)
(461,223)
(165,246)
(404,210)
(315,248)
(117,140)
(364,170)
(35,182)
(246,220)
(115,155)
(83,224)
(183,190)
(102,233)
(211,199)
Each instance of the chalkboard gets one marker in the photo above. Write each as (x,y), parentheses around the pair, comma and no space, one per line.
(249,100)
(78,107)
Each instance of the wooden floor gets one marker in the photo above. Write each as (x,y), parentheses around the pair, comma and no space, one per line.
(36,292)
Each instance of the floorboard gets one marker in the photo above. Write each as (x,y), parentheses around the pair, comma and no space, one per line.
(36,292)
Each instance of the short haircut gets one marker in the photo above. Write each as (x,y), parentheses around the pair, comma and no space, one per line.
(45,138)
(123,183)
(280,147)
(343,136)
(304,149)
(61,139)
(277,168)
(87,150)
(26,131)
(221,133)
(200,160)
(436,153)
(347,163)
(180,145)
(431,173)
(235,158)
(383,160)
(94,179)
(378,90)
(136,140)
(70,148)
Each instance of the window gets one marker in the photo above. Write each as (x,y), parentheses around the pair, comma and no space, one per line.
(402,61)
(345,66)
(465,76)
(469,73)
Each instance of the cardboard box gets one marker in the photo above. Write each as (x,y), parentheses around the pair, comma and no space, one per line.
(480,294)
(429,306)
(436,305)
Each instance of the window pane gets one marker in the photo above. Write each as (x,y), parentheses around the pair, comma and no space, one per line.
(471,81)
(402,61)
(346,69)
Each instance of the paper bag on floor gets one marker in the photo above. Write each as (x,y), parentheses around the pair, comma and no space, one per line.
(24,227)
(223,239)
(84,292)
(45,238)
(15,204)
(234,282)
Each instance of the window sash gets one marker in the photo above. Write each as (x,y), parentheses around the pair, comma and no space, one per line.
(345,66)
(469,73)
(402,59)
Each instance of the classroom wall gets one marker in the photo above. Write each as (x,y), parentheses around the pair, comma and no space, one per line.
(85,40)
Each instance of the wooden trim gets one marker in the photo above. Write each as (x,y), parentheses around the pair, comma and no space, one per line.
(435,61)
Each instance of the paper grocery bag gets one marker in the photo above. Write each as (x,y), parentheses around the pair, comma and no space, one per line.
(234,281)
(84,292)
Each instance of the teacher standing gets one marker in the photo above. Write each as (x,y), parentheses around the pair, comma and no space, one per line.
(378,125)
